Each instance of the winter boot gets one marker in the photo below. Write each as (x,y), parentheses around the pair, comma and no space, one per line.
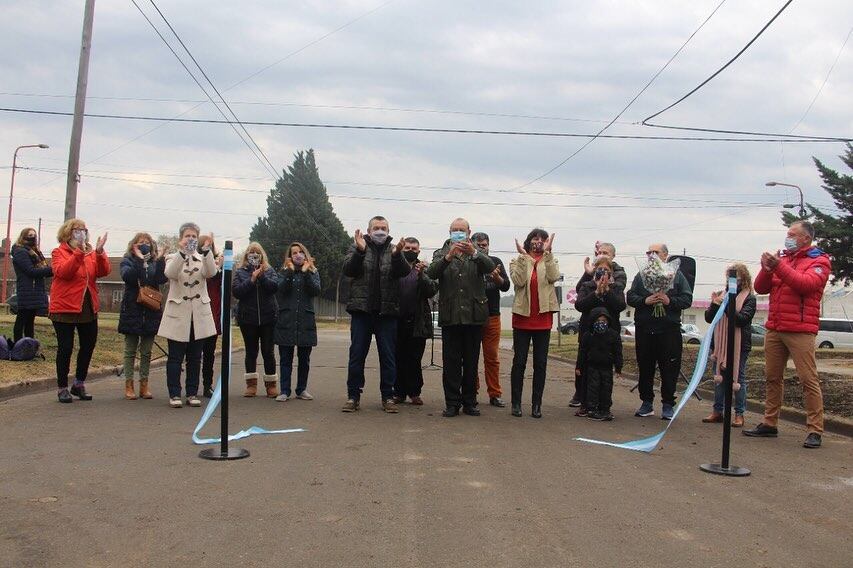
(144,392)
(129,393)
(251,385)
(271,382)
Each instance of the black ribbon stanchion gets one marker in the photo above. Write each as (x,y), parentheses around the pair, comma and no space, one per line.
(223,452)
(724,467)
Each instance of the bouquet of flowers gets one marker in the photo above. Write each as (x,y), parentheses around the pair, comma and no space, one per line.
(658,276)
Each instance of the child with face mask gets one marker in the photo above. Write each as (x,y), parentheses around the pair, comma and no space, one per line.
(599,353)
(254,285)
(296,326)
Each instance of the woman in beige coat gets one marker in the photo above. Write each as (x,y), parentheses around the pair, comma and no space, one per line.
(187,316)
(533,274)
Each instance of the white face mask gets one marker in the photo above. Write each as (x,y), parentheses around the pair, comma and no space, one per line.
(254,259)
(379,236)
(791,244)
(192,245)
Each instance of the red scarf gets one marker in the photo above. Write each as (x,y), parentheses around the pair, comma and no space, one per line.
(720,354)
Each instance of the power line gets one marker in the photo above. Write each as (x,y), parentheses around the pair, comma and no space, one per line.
(626,107)
(426,129)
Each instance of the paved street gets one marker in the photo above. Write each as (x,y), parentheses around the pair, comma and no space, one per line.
(114,482)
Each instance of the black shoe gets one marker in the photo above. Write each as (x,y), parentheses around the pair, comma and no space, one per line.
(812,440)
(450,412)
(471,410)
(762,431)
(497,402)
(80,392)
(516,409)
(536,411)
(64,396)
(575,402)
(600,416)
(207,393)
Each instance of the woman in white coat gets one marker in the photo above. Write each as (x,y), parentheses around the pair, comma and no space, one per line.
(187,316)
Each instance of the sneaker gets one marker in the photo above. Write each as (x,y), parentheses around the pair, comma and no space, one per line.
(193,401)
(667,412)
(417,401)
(583,412)
(600,416)
(305,395)
(812,440)
(207,393)
(282,397)
(64,396)
(646,409)
(762,431)
(398,399)
(79,390)
(389,406)
(175,402)
(351,405)
(574,403)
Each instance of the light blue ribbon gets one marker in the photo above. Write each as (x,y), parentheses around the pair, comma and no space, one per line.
(225,321)
(650,443)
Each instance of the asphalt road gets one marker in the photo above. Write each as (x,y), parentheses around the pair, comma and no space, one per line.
(119,483)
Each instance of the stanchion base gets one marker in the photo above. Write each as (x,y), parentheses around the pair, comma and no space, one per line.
(216,454)
(717,469)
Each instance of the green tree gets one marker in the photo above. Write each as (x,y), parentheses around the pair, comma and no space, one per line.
(298,209)
(834,233)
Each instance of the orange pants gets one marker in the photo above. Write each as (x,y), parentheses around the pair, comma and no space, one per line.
(778,346)
(491,363)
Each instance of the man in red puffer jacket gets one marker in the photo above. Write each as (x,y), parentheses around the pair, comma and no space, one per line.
(795,281)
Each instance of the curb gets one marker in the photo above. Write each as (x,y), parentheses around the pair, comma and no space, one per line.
(42,384)
(831,423)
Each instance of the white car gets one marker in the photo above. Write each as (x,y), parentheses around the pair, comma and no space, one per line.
(835,334)
(689,333)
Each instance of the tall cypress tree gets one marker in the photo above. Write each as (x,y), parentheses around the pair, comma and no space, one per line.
(834,233)
(298,209)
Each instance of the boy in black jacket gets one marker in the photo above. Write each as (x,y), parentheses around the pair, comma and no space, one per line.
(600,351)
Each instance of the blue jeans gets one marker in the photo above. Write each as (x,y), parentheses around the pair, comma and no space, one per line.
(285,356)
(739,396)
(363,327)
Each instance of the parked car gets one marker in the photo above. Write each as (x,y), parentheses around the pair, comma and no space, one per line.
(690,334)
(627,332)
(835,333)
(758,333)
(570,327)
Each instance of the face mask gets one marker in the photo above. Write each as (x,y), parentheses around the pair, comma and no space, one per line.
(30,240)
(537,247)
(378,237)
(458,236)
(600,326)
(192,245)
(144,249)
(254,259)
(791,244)
(80,235)
(484,249)
(410,255)
(298,259)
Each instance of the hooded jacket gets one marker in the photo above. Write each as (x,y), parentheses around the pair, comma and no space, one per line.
(795,288)
(257,305)
(600,350)
(30,272)
(135,318)
(376,266)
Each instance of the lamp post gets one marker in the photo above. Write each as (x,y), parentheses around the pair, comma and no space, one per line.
(788,205)
(8,246)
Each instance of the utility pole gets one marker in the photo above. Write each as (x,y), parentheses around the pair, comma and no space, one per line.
(79,108)
(39,233)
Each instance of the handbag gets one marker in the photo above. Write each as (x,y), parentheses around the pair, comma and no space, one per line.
(150,297)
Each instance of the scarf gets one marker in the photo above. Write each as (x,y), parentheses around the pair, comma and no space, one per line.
(720,354)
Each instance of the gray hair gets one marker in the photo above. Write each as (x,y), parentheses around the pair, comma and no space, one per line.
(664,248)
(807,227)
(609,246)
(187,226)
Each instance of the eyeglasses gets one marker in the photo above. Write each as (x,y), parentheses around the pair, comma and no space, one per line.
(651,252)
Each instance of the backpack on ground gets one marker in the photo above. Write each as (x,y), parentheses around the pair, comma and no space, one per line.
(25,349)
(5,348)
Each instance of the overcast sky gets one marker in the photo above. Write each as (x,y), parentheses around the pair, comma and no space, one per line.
(556,66)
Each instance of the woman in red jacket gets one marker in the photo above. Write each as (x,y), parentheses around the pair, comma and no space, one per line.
(74,302)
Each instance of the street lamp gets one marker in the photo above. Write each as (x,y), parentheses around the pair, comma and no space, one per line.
(788,205)
(8,246)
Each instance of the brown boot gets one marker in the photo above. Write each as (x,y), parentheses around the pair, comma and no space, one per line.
(251,385)
(271,383)
(737,422)
(129,393)
(713,418)
(143,389)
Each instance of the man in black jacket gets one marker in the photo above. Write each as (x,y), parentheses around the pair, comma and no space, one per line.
(658,339)
(496,281)
(374,304)
(414,325)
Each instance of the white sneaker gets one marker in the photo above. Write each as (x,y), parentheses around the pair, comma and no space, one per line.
(282,398)
(175,402)
(193,401)
(305,395)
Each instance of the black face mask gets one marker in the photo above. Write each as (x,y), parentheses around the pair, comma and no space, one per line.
(410,255)
(30,240)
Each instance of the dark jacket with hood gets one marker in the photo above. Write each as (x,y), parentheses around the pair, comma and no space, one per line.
(600,350)
(257,299)
(375,273)
(30,270)
(588,299)
(136,319)
(296,325)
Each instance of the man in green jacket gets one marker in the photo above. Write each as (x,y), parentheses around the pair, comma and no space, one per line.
(463,309)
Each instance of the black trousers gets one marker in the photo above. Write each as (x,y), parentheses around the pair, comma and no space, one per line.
(599,391)
(178,352)
(208,356)
(521,339)
(661,351)
(25,324)
(410,352)
(255,336)
(88,334)
(460,354)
